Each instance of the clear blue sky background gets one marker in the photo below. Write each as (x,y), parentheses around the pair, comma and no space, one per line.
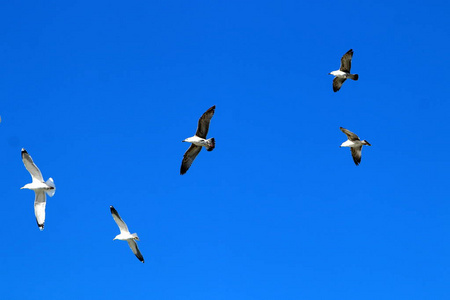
(101,94)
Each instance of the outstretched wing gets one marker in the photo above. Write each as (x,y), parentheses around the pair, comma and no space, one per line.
(356,154)
(189,157)
(346,61)
(122,226)
(39,208)
(203,122)
(350,135)
(134,247)
(337,83)
(31,167)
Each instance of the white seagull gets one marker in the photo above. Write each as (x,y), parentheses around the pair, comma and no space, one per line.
(125,234)
(39,187)
(355,144)
(344,71)
(198,140)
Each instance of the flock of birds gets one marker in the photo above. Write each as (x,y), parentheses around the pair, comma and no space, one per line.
(42,188)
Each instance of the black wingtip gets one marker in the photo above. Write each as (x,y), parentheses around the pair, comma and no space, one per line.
(112,209)
(41,226)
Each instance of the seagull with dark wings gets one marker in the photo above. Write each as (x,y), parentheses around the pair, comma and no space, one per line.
(355,145)
(39,187)
(198,140)
(125,234)
(344,71)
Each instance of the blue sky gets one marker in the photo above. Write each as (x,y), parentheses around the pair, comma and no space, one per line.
(101,94)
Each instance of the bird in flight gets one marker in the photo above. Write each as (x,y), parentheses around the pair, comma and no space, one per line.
(125,234)
(198,140)
(344,71)
(39,187)
(355,145)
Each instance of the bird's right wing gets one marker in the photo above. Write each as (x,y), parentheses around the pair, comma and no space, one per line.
(337,83)
(122,226)
(31,167)
(356,154)
(350,135)
(203,123)
(189,157)
(39,208)
(346,61)
(134,247)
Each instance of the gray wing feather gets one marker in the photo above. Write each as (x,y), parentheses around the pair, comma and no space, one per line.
(346,61)
(189,157)
(122,226)
(350,135)
(31,167)
(356,154)
(337,83)
(134,247)
(39,208)
(203,123)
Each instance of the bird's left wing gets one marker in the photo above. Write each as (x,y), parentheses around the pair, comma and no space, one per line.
(134,247)
(356,154)
(337,83)
(346,61)
(31,167)
(189,157)
(122,226)
(203,123)
(39,208)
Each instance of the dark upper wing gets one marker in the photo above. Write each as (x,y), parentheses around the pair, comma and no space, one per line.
(350,135)
(203,122)
(346,61)
(118,219)
(189,157)
(356,154)
(31,167)
(39,208)
(134,247)
(337,83)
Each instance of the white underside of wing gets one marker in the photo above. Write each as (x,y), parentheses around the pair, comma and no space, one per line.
(39,208)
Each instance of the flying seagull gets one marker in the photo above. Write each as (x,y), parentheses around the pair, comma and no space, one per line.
(39,187)
(198,140)
(344,71)
(355,144)
(125,234)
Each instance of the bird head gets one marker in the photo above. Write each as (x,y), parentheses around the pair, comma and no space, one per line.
(364,142)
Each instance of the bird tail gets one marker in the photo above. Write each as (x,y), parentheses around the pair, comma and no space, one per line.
(51,184)
(135,236)
(211,144)
(353,76)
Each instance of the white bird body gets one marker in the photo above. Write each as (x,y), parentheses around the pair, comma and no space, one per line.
(37,186)
(123,236)
(198,141)
(340,74)
(351,144)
